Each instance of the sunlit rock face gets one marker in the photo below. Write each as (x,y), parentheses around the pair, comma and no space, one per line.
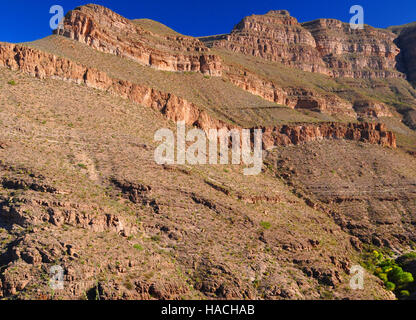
(325,46)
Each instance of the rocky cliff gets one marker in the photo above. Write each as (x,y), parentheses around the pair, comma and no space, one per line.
(324,46)
(109,32)
(293,97)
(277,37)
(44,65)
(406,41)
(79,186)
(367,53)
(300,134)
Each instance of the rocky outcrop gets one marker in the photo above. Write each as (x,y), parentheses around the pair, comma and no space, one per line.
(325,46)
(300,134)
(276,37)
(293,97)
(106,31)
(318,46)
(366,53)
(371,109)
(44,65)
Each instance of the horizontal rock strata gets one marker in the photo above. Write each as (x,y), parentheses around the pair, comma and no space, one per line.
(44,65)
(325,46)
(108,32)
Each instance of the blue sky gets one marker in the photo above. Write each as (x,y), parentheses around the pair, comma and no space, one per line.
(28,20)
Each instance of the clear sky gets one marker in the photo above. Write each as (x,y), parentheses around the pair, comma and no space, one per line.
(28,20)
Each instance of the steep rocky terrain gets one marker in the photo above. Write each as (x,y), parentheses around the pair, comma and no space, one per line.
(107,31)
(367,53)
(79,186)
(324,46)
(80,189)
(277,37)
(43,65)
(367,196)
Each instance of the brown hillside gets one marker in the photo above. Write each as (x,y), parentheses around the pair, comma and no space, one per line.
(80,187)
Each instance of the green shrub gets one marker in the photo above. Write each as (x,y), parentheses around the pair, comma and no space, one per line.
(12,82)
(383,277)
(410,255)
(138,247)
(405,293)
(155,238)
(265,225)
(406,259)
(390,272)
(390,286)
(129,285)
(399,277)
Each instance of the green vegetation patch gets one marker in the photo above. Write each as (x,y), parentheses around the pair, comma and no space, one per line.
(265,225)
(391,272)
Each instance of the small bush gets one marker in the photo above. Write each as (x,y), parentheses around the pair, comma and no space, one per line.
(399,277)
(12,82)
(390,272)
(405,293)
(265,225)
(390,286)
(155,238)
(138,247)
(410,255)
(383,277)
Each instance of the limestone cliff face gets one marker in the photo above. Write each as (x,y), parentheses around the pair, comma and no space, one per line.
(106,31)
(44,65)
(299,134)
(325,46)
(304,98)
(293,97)
(367,53)
(371,109)
(277,37)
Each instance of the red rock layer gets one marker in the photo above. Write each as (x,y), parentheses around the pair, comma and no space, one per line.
(106,31)
(297,134)
(44,65)
(366,53)
(277,37)
(371,109)
(296,98)
(325,46)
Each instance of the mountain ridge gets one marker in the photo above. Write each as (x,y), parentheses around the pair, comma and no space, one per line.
(79,186)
